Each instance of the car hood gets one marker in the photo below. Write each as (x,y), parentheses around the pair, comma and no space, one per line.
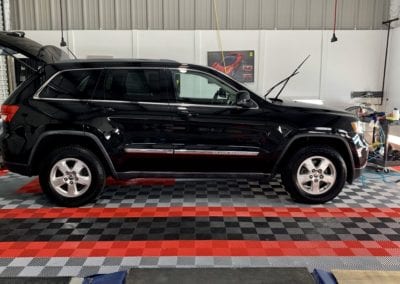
(16,42)
(312,108)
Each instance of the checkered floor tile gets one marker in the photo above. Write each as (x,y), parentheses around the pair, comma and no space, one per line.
(199,228)
(197,223)
(372,192)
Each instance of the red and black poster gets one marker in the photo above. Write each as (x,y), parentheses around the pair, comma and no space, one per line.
(237,64)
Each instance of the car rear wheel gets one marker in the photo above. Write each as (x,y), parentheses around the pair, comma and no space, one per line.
(72,176)
(315,174)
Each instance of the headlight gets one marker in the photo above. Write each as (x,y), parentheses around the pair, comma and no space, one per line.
(357,127)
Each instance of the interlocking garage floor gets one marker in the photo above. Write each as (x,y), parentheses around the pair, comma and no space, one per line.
(163,223)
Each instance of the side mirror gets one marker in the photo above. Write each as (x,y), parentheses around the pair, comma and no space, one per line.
(243,99)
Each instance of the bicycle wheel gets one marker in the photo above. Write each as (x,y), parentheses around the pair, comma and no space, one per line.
(360,111)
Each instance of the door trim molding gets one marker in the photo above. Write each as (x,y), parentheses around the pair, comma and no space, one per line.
(149,151)
(184,152)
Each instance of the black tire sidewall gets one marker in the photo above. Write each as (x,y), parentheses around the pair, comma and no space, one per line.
(289,177)
(86,156)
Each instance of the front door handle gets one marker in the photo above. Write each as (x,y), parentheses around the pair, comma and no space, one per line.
(109,109)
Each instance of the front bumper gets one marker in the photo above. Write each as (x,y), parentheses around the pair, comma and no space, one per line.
(360,155)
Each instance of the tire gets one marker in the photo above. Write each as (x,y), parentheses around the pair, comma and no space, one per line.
(72,176)
(297,174)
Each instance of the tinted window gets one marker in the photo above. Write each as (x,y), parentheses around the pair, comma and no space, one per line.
(133,85)
(78,84)
(196,87)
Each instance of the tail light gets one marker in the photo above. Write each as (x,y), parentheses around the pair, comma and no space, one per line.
(8,112)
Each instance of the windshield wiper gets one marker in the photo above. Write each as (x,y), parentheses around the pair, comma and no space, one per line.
(285,81)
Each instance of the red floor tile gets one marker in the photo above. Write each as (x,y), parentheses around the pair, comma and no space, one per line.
(199,248)
(3,172)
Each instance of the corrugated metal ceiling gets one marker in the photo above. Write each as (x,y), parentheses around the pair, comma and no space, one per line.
(197,14)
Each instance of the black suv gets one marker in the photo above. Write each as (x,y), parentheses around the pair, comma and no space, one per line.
(76,122)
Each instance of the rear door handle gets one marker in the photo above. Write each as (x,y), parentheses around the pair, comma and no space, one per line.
(183,111)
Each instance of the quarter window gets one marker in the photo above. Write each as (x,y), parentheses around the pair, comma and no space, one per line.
(196,87)
(74,84)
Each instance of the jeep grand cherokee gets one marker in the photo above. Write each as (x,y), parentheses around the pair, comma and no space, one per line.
(76,122)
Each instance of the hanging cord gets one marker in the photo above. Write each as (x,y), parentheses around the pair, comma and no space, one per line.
(63,43)
(218,34)
(334,38)
(334,20)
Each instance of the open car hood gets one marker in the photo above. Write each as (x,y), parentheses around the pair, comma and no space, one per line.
(16,42)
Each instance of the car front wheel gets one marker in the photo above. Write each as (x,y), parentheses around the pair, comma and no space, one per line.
(315,174)
(72,176)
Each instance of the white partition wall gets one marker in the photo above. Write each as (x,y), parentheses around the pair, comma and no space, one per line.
(354,63)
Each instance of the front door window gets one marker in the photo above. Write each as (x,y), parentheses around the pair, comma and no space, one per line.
(199,88)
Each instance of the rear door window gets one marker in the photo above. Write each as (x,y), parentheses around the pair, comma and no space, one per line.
(134,85)
(74,84)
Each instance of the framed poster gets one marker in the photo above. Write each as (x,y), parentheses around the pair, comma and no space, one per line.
(238,64)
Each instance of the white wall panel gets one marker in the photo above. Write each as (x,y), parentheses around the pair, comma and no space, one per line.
(103,43)
(354,63)
(166,45)
(284,50)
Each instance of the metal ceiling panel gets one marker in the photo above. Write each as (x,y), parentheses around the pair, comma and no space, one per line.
(123,19)
(301,14)
(316,14)
(221,9)
(74,14)
(268,14)
(155,14)
(235,14)
(91,19)
(107,19)
(171,14)
(42,14)
(252,14)
(365,14)
(349,14)
(203,14)
(197,14)
(139,14)
(284,16)
(187,14)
